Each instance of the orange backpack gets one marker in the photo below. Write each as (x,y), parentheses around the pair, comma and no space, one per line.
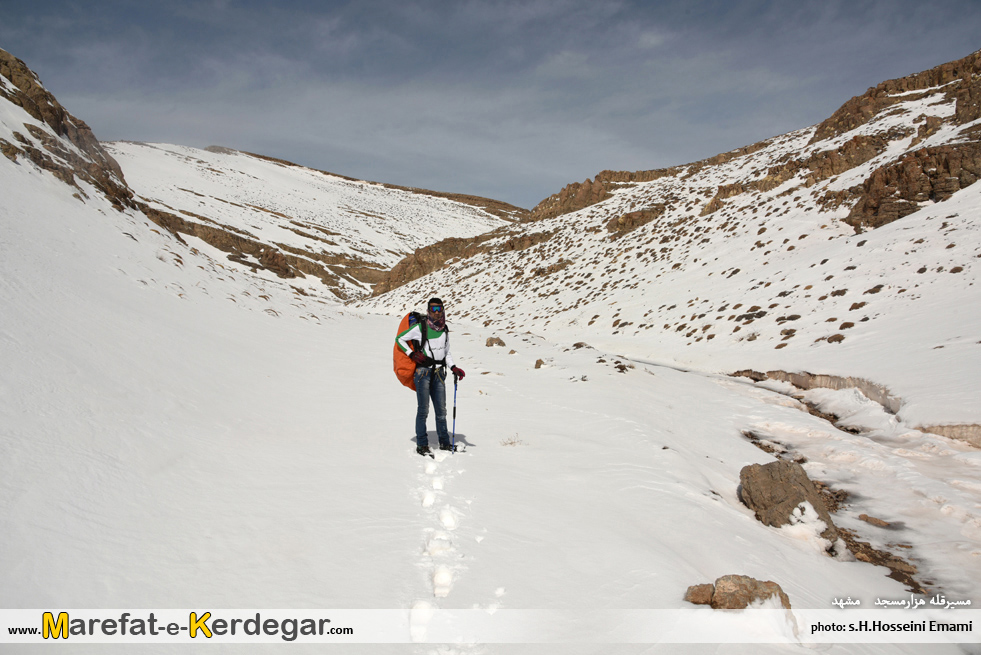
(405,368)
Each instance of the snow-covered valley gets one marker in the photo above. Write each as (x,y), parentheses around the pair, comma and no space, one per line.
(178,429)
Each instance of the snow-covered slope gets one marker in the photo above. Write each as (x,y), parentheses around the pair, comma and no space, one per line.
(163,449)
(177,431)
(346,232)
(849,249)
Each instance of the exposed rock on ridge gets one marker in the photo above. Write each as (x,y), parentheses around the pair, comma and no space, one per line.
(431,258)
(90,163)
(288,264)
(960,75)
(927,175)
(963,77)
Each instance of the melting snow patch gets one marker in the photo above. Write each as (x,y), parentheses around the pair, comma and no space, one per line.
(806,526)
(854,409)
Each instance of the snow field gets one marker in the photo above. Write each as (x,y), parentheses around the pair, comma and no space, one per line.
(175,432)
(162,449)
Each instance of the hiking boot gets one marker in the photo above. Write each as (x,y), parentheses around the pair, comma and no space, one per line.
(424,450)
(446,446)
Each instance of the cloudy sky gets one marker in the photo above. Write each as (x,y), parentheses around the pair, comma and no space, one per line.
(510,100)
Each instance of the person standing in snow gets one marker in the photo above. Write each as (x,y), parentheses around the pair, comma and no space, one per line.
(428,344)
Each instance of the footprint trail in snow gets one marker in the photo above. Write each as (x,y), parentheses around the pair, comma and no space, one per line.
(440,558)
(443,559)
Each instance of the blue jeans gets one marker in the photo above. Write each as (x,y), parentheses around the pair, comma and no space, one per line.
(430,383)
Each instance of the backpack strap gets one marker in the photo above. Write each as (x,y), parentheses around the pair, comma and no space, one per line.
(424,328)
(420,320)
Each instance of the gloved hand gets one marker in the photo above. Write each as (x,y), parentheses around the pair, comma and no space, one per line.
(421,359)
(457,371)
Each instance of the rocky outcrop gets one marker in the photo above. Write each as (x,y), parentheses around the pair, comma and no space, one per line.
(736,592)
(431,258)
(700,594)
(90,162)
(926,175)
(963,78)
(572,197)
(776,490)
(630,221)
(425,260)
(580,195)
(280,259)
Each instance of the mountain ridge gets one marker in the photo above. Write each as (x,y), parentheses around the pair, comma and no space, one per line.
(87,160)
(799,253)
(871,206)
(684,266)
(52,139)
(498,208)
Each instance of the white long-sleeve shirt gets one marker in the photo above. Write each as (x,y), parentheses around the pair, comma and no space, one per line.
(437,343)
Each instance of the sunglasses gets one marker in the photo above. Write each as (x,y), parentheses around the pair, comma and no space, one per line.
(436,308)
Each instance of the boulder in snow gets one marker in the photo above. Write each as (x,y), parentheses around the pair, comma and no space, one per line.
(736,592)
(776,490)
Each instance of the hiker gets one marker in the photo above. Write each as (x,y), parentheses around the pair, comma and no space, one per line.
(427,344)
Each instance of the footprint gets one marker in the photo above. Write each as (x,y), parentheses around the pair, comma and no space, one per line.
(448,518)
(420,614)
(438,544)
(428,499)
(442,581)
(438,484)
(431,467)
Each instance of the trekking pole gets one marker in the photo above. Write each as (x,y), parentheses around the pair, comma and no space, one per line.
(453,449)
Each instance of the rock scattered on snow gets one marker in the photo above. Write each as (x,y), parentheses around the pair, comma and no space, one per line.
(776,490)
(736,592)
(873,520)
(700,594)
